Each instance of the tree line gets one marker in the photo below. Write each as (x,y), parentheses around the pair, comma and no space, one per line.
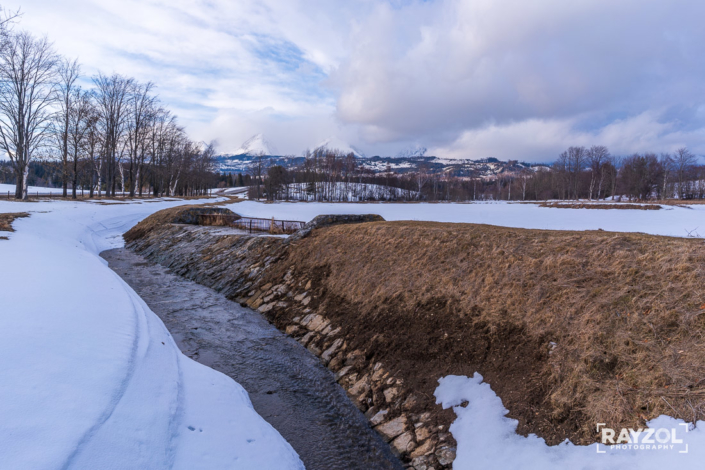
(578,173)
(113,137)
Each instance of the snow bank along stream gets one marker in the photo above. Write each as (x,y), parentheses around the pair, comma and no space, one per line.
(91,378)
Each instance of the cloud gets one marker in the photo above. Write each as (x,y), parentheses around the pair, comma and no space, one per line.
(504,78)
(462,72)
(543,139)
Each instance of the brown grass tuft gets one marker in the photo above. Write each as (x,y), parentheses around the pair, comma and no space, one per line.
(7,219)
(580,205)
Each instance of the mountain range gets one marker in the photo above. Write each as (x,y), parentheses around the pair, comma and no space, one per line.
(410,159)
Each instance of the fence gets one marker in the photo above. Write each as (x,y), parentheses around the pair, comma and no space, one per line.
(83,194)
(252,224)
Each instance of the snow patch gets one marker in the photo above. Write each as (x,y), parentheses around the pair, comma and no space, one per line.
(487,438)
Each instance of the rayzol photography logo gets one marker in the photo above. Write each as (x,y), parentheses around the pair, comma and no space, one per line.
(647,439)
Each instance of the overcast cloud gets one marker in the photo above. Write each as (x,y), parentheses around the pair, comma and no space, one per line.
(499,78)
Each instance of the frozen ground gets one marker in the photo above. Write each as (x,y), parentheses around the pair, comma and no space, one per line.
(91,378)
(487,438)
(4,188)
(671,220)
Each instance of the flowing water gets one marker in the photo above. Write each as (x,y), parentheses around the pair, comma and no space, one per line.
(288,385)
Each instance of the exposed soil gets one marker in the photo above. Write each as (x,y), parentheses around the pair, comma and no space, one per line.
(578,205)
(7,219)
(569,328)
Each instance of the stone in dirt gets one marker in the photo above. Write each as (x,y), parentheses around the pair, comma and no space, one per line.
(445,455)
(422,463)
(422,433)
(341,373)
(423,449)
(292,329)
(390,394)
(328,353)
(404,443)
(313,321)
(379,417)
(360,387)
(392,429)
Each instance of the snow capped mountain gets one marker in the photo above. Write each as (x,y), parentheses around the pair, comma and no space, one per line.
(414,150)
(256,145)
(334,143)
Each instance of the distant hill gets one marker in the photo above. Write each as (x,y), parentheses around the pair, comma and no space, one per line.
(410,159)
(485,168)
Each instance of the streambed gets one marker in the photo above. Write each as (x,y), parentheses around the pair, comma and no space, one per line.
(288,385)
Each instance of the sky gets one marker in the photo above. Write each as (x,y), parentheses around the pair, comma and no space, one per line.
(509,79)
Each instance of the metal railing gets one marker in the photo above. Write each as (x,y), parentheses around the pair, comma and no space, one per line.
(83,194)
(252,224)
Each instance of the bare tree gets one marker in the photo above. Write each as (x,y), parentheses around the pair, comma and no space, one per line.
(27,72)
(79,125)
(68,73)
(682,161)
(111,96)
(667,164)
(615,164)
(93,141)
(256,170)
(576,158)
(524,176)
(140,107)
(596,157)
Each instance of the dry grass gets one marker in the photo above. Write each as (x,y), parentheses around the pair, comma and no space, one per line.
(579,205)
(180,214)
(626,311)
(7,219)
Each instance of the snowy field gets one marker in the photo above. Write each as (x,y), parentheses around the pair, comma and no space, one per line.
(4,188)
(90,377)
(670,221)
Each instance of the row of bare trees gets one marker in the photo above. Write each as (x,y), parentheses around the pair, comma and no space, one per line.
(578,173)
(114,137)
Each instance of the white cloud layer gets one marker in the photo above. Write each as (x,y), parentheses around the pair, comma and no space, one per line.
(503,78)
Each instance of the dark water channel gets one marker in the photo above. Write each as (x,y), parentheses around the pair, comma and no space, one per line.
(287,384)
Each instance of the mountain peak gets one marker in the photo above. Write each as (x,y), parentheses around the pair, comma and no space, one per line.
(334,143)
(256,145)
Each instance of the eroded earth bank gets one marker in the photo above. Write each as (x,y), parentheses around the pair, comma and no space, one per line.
(568,328)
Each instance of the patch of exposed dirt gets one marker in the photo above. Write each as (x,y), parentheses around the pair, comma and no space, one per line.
(7,219)
(579,205)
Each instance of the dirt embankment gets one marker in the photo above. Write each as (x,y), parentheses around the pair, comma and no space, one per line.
(569,328)
(580,205)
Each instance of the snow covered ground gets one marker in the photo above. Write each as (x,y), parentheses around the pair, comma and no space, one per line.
(4,188)
(346,192)
(487,439)
(670,221)
(90,377)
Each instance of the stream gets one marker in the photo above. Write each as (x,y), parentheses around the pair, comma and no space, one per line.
(288,385)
